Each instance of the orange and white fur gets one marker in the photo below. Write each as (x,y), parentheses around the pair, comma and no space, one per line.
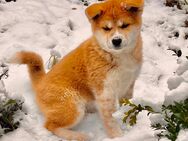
(102,70)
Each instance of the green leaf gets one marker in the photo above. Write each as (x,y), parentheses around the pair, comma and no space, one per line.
(10,101)
(133,111)
(7,111)
(132,120)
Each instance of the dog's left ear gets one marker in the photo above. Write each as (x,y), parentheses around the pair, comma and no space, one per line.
(132,5)
(94,11)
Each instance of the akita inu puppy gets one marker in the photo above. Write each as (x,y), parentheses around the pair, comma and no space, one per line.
(102,69)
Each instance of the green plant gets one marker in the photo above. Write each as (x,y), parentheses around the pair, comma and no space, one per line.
(175,116)
(131,114)
(8,109)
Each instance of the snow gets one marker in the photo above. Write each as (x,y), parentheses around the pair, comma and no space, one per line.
(182,68)
(20,134)
(174,81)
(178,85)
(179,94)
(183,135)
(55,27)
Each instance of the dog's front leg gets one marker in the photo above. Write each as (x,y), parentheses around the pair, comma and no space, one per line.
(129,93)
(107,104)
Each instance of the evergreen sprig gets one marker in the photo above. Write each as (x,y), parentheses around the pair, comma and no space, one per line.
(8,109)
(131,114)
(174,115)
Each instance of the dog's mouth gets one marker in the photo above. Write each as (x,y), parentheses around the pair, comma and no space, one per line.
(117,47)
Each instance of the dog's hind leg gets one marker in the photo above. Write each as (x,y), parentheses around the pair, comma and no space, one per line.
(62,118)
(70,134)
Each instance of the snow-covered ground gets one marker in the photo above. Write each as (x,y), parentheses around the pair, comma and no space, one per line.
(61,25)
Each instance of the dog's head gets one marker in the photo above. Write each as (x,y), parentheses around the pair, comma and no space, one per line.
(116,23)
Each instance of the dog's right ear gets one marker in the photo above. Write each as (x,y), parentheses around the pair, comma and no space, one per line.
(94,11)
(132,5)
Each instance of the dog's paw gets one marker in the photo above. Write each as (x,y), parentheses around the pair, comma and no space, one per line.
(83,137)
(116,132)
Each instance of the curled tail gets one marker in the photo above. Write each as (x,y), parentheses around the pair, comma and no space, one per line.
(34,63)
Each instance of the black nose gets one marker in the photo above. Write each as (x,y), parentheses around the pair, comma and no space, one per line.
(116,42)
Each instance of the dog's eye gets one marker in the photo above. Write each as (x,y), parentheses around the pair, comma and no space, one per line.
(107,28)
(124,26)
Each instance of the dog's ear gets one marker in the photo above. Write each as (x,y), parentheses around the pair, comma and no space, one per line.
(94,11)
(132,5)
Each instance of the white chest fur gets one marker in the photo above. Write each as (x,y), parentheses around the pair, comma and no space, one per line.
(121,77)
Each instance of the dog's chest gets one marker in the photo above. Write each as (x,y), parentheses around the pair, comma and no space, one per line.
(121,77)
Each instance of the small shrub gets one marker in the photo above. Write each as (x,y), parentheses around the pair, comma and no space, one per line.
(175,117)
(8,109)
(131,114)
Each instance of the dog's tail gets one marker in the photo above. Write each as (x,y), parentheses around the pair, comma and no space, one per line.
(34,63)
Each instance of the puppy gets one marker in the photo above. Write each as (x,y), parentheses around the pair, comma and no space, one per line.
(102,69)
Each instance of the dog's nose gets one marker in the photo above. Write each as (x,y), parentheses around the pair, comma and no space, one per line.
(116,42)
